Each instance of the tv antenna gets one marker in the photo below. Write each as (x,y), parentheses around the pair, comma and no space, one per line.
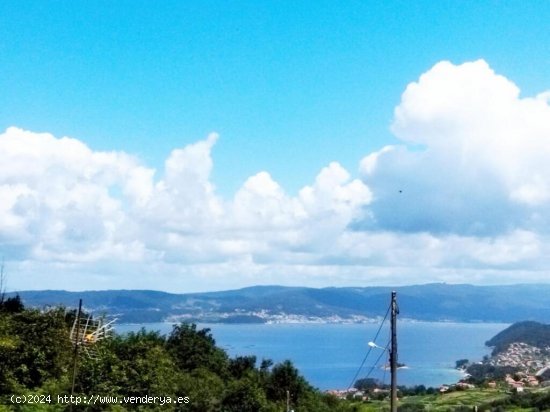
(85,333)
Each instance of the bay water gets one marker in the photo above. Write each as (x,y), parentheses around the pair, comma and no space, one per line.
(330,355)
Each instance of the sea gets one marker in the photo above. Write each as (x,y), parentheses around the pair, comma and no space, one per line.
(332,356)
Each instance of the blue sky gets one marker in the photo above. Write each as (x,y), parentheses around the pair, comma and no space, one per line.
(290,87)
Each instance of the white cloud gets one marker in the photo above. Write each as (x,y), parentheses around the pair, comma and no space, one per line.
(464,198)
(66,204)
(56,200)
(479,164)
(183,202)
(332,190)
(369,163)
(469,188)
(261,203)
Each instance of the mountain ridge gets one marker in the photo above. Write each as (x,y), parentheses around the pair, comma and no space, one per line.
(273,303)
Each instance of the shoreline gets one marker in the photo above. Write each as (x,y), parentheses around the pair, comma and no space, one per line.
(293,322)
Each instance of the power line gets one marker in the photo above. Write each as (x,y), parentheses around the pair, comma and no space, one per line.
(387,360)
(370,347)
(378,359)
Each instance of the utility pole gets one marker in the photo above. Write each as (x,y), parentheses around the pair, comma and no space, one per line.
(287,401)
(393,352)
(75,353)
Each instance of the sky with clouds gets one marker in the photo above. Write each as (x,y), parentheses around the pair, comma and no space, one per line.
(196,148)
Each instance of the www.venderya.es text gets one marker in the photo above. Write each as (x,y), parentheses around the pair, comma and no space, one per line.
(99,399)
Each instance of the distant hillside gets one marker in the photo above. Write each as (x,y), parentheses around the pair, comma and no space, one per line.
(431,302)
(532,333)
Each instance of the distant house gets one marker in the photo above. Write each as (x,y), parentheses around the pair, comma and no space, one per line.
(518,389)
(360,395)
(531,381)
(464,385)
(517,386)
(509,380)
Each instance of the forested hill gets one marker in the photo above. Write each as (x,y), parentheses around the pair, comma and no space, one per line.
(430,302)
(532,333)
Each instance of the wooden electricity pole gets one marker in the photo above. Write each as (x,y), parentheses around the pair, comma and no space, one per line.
(393,352)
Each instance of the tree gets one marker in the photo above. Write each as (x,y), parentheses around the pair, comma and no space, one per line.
(239,366)
(204,388)
(285,378)
(131,365)
(366,384)
(192,349)
(461,363)
(12,304)
(36,348)
(36,353)
(244,395)
(265,365)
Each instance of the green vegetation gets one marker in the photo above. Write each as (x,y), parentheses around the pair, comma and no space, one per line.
(462,363)
(531,333)
(483,372)
(486,400)
(36,358)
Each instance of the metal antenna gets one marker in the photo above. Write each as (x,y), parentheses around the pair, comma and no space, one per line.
(2,282)
(76,342)
(86,333)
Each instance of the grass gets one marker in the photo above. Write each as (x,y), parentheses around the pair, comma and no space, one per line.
(447,401)
(459,398)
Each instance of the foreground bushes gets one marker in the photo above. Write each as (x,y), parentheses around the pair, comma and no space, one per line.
(36,356)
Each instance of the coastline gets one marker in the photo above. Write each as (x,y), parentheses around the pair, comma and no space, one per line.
(328,355)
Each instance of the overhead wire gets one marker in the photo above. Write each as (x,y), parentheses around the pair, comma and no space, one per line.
(370,348)
(375,364)
(387,360)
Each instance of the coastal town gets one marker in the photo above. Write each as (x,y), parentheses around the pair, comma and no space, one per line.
(520,367)
(529,359)
(532,365)
(268,317)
